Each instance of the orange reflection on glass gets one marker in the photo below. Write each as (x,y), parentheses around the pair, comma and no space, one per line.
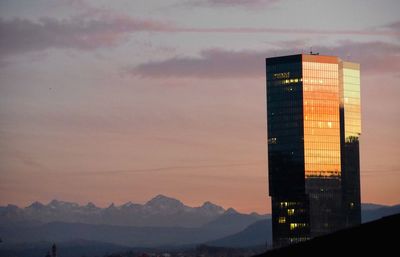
(351,100)
(321,103)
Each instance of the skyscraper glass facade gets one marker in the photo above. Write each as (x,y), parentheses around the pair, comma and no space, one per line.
(350,133)
(311,105)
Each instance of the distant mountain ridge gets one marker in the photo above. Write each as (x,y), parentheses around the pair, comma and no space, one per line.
(373,212)
(122,235)
(257,234)
(160,211)
(226,224)
(260,232)
(181,225)
(371,206)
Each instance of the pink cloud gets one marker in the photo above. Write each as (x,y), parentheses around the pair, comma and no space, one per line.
(21,35)
(109,29)
(212,63)
(294,31)
(231,3)
(395,26)
(375,57)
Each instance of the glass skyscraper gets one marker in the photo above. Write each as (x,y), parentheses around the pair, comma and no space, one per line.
(314,124)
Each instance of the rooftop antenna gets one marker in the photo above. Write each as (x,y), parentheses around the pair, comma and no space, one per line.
(311,52)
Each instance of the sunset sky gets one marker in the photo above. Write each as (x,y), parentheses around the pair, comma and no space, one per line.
(116,101)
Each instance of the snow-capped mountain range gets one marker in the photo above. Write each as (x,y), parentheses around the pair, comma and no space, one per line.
(161,211)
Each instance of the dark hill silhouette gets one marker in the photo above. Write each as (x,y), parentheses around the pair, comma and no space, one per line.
(371,206)
(377,213)
(66,249)
(124,235)
(232,222)
(378,238)
(260,232)
(257,234)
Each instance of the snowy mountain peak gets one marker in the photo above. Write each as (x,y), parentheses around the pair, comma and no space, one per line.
(91,205)
(111,206)
(36,205)
(130,205)
(164,202)
(61,204)
(255,214)
(231,211)
(212,208)
(127,204)
(54,202)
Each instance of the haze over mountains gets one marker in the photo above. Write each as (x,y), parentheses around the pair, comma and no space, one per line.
(162,221)
(161,211)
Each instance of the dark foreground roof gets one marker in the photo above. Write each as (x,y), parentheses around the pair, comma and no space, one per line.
(377,238)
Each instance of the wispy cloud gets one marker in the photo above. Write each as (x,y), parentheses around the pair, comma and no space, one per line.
(21,35)
(394,27)
(230,3)
(160,169)
(28,160)
(212,63)
(294,31)
(18,36)
(188,167)
(375,57)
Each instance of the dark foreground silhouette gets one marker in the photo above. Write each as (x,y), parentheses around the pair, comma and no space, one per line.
(380,238)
